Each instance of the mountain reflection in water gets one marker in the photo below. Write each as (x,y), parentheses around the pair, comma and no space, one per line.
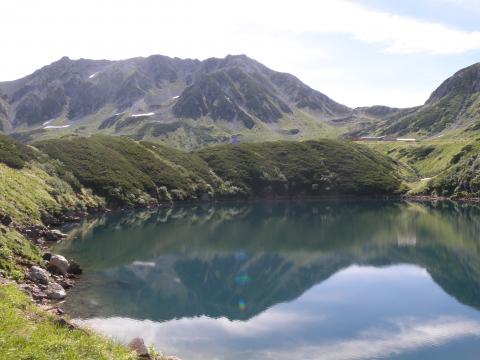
(311,277)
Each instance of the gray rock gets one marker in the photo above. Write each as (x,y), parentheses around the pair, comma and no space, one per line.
(138,345)
(58,264)
(56,291)
(54,235)
(66,283)
(38,275)
(74,268)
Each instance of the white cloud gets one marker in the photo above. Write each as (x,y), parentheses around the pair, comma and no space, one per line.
(408,335)
(193,337)
(395,34)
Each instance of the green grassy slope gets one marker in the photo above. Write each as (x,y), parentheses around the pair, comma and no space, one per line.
(442,167)
(131,173)
(32,188)
(128,173)
(462,178)
(325,167)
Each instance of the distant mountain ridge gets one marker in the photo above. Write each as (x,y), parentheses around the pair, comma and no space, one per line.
(191,103)
(160,97)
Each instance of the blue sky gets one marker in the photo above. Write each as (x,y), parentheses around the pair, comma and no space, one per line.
(359,52)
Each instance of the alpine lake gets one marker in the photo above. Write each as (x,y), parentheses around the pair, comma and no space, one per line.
(330,280)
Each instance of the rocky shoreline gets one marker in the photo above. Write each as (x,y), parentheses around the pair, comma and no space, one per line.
(472,199)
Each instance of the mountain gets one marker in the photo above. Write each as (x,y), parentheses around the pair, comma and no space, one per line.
(454,107)
(4,108)
(190,103)
(187,103)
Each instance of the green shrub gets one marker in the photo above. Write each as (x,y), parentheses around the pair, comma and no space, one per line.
(13,153)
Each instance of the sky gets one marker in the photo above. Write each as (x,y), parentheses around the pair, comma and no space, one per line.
(358,52)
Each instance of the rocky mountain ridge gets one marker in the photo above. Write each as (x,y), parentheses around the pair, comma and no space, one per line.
(191,103)
(452,108)
(159,97)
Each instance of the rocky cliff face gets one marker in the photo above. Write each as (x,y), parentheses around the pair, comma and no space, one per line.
(4,119)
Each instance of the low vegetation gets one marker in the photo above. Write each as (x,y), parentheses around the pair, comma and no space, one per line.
(129,173)
(13,153)
(27,332)
(325,167)
(462,178)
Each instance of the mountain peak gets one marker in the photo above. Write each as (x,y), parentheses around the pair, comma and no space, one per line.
(465,81)
(159,97)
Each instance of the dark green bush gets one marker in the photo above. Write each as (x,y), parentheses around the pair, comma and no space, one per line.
(13,153)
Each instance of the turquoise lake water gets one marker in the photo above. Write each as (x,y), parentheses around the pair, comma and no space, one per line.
(341,280)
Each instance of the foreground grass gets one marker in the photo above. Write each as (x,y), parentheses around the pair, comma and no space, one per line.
(26,332)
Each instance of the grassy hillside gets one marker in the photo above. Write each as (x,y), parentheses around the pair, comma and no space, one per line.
(462,178)
(128,173)
(131,173)
(443,167)
(325,167)
(424,158)
(32,189)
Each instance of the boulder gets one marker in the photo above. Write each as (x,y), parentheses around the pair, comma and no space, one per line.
(74,268)
(138,345)
(58,265)
(38,275)
(55,291)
